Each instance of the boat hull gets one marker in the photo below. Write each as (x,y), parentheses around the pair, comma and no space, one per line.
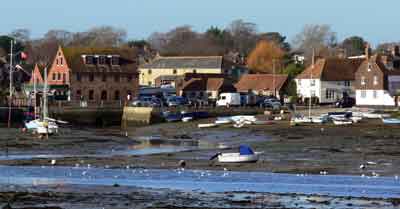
(237,158)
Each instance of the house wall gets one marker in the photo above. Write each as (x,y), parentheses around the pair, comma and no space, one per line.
(59,74)
(148,79)
(305,89)
(337,88)
(374,97)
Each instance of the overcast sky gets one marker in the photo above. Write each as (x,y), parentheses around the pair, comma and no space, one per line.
(376,21)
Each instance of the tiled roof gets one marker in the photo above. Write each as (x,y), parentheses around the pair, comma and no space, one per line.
(76,63)
(377,59)
(208,84)
(332,69)
(260,82)
(185,62)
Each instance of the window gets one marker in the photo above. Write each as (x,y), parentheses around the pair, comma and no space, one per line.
(64,77)
(114,60)
(362,80)
(375,94)
(116,78)
(369,67)
(78,94)
(299,82)
(78,77)
(57,62)
(116,95)
(201,94)
(329,94)
(312,82)
(104,95)
(129,78)
(59,53)
(91,77)
(59,76)
(102,60)
(194,71)
(149,83)
(91,95)
(312,93)
(61,61)
(104,78)
(375,80)
(89,60)
(363,94)
(347,83)
(54,76)
(174,71)
(149,72)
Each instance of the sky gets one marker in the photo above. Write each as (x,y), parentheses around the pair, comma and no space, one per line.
(376,21)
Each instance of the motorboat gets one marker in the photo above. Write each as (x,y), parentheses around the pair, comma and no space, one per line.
(341,121)
(370,115)
(245,155)
(223,120)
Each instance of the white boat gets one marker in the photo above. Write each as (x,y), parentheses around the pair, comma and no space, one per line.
(356,119)
(312,119)
(245,155)
(223,120)
(249,118)
(391,121)
(207,125)
(187,119)
(375,115)
(341,121)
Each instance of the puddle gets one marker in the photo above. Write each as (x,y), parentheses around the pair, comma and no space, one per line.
(207,181)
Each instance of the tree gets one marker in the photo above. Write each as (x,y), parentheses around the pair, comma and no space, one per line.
(263,58)
(21,35)
(353,45)
(243,36)
(104,36)
(315,37)
(277,38)
(5,44)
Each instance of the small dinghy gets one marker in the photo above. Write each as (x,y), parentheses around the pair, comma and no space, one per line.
(207,125)
(245,155)
(341,121)
(375,115)
(223,120)
(391,121)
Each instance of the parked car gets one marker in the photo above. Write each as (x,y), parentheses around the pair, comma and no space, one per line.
(176,101)
(346,102)
(271,103)
(229,99)
(147,102)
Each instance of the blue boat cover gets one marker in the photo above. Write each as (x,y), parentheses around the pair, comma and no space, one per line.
(245,150)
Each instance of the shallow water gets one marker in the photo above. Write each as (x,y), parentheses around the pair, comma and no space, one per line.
(207,181)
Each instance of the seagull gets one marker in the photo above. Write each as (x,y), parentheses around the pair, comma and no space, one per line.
(53,162)
(362,166)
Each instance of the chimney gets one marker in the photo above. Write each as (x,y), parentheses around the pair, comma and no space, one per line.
(367,51)
(395,51)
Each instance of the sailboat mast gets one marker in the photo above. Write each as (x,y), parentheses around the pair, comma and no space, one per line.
(11,82)
(34,96)
(45,95)
(311,77)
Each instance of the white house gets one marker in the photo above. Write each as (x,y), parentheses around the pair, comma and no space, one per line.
(328,79)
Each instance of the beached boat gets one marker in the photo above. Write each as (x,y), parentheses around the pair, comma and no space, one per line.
(356,119)
(223,120)
(341,121)
(207,125)
(391,121)
(263,122)
(187,116)
(245,155)
(369,115)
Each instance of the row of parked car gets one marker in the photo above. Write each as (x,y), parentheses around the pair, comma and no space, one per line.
(225,100)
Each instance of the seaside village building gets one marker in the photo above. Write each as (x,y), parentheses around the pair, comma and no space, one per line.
(328,80)
(378,79)
(90,74)
(165,70)
(262,84)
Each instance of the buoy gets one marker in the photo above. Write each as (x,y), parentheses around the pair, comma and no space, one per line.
(362,166)
(53,162)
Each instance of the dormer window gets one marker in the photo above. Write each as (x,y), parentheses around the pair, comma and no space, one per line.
(375,80)
(362,80)
(115,60)
(369,67)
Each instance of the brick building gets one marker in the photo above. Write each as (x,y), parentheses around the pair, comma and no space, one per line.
(92,74)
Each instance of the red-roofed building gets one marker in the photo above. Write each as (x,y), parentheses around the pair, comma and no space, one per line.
(262,84)
(328,79)
(205,88)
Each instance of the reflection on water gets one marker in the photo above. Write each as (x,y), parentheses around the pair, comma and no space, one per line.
(208,181)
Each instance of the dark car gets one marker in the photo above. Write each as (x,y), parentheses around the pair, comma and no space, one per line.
(346,102)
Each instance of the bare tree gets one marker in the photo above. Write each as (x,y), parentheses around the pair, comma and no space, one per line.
(317,37)
(243,35)
(22,34)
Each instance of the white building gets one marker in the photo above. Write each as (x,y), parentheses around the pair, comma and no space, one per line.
(328,80)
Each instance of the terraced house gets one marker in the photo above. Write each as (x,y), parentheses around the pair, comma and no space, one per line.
(164,70)
(92,74)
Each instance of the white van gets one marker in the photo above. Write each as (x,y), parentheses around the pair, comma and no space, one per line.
(228,99)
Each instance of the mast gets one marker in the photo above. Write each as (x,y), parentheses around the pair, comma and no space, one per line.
(273,76)
(311,77)
(34,96)
(11,85)
(45,95)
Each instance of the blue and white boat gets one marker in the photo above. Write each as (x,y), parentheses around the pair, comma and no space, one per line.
(245,155)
